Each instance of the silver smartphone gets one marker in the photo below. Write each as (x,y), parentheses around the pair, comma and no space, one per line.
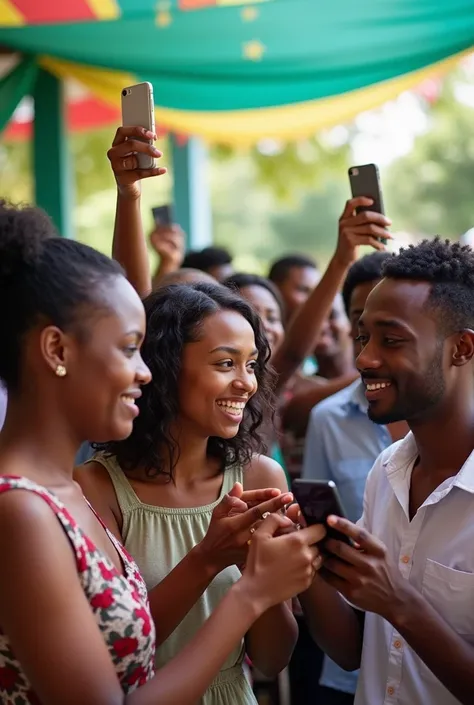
(138,109)
(365,181)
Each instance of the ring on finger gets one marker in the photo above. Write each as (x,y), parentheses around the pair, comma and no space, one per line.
(265,515)
(252,531)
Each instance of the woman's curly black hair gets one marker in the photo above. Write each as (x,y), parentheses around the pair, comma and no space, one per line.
(175,315)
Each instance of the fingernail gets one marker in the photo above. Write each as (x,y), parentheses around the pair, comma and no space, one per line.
(149,134)
(156,152)
(286,498)
(332,520)
(299,514)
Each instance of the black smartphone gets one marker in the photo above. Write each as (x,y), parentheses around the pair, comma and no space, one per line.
(318,499)
(365,181)
(162,215)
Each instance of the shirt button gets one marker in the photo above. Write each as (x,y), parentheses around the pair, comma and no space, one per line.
(390,690)
(397,644)
(405,559)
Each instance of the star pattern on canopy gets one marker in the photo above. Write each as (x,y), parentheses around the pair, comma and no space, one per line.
(232,71)
(253,50)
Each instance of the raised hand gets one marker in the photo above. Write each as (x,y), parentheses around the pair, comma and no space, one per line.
(122,156)
(281,566)
(168,241)
(364,228)
(233,524)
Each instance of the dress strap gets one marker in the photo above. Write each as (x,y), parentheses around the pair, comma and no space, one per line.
(232,475)
(126,497)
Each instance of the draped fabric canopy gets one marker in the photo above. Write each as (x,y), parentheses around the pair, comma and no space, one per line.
(233,71)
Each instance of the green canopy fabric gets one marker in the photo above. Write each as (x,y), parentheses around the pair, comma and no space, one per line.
(309,50)
(16,84)
(224,60)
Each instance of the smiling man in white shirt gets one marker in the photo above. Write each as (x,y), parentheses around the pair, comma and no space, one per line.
(408,615)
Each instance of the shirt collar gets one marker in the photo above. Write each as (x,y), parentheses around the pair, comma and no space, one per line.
(406,452)
(465,477)
(356,400)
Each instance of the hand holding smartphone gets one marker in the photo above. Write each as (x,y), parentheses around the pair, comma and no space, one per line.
(318,499)
(365,181)
(162,215)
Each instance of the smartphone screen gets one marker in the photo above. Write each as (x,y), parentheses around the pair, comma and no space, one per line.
(318,499)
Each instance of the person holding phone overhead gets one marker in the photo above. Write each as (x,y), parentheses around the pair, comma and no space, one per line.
(169,242)
(75,621)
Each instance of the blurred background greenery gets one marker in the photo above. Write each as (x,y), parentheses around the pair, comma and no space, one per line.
(278,198)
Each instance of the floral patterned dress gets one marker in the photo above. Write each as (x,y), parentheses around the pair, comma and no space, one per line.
(119,603)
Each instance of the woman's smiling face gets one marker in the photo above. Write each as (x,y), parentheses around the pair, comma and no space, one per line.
(217,376)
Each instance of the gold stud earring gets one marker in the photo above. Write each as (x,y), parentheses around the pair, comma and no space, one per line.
(61,371)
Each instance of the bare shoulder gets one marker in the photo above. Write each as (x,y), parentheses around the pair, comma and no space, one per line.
(25,505)
(97,486)
(29,528)
(43,595)
(263,471)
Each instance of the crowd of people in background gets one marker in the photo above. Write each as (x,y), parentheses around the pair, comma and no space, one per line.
(155,424)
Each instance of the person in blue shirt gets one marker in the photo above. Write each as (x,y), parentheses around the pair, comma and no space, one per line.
(342,444)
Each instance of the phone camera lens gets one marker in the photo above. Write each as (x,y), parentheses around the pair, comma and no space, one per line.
(124,92)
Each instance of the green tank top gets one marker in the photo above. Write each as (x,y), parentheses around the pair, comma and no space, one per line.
(158,538)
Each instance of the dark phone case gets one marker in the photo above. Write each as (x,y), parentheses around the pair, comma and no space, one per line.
(162,215)
(367,183)
(318,499)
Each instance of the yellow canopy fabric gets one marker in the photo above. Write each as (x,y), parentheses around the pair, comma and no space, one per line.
(244,127)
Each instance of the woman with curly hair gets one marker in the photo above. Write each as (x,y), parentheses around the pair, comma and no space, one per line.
(171,491)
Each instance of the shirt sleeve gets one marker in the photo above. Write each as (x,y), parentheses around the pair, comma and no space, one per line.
(315,462)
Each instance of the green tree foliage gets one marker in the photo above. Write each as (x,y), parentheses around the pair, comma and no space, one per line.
(429,191)
(312,228)
(288,169)
(275,198)
(16,182)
